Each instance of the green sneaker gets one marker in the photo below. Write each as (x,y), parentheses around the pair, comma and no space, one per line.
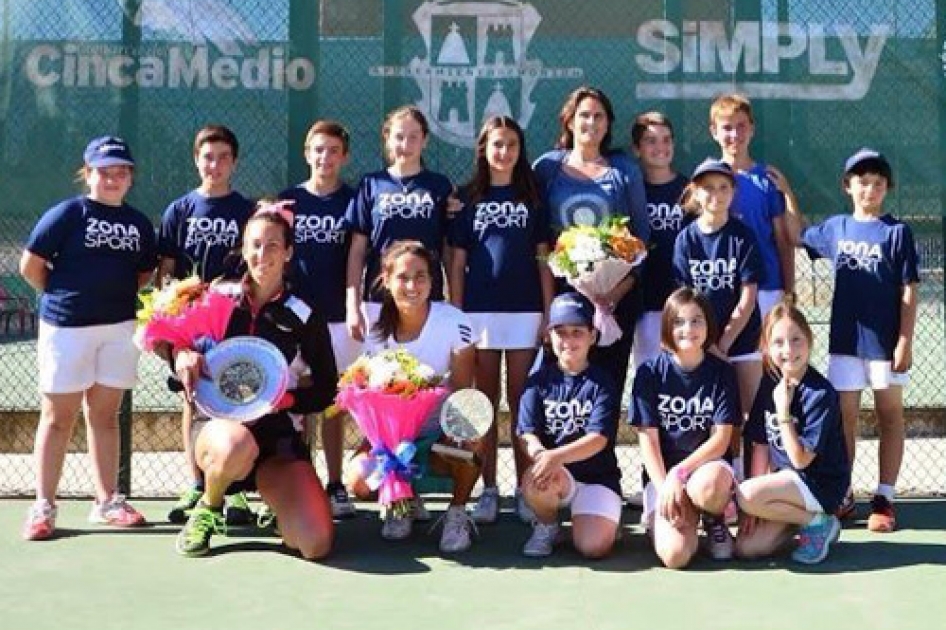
(237,510)
(194,538)
(180,511)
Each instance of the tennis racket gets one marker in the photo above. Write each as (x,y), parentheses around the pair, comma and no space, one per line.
(466,416)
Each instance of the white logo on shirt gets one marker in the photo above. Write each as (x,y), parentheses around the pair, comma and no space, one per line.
(679,414)
(101,234)
(412,205)
(319,229)
(211,232)
(772,433)
(507,214)
(859,256)
(714,274)
(566,417)
(665,216)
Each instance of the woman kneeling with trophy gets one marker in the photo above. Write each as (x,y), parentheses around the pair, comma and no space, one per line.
(248,390)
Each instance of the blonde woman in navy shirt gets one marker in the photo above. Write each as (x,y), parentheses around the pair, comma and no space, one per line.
(499,278)
(89,256)
(685,405)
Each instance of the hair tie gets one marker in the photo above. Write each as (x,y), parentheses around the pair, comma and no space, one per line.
(282,208)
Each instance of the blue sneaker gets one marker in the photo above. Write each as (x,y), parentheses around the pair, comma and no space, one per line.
(815,539)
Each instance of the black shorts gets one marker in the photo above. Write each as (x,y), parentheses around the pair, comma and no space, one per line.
(275,436)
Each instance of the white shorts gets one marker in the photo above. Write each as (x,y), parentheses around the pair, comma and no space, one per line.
(646,338)
(506,331)
(767,299)
(850,374)
(811,503)
(746,358)
(74,358)
(649,509)
(592,499)
(345,348)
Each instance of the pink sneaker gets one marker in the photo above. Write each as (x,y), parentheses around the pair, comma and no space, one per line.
(40,521)
(116,512)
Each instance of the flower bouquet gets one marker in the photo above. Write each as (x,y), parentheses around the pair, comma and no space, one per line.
(594,260)
(182,314)
(390,395)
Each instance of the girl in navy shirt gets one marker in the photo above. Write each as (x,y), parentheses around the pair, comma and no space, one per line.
(568,419)
(585,182)
(685,405)
(800,467)
(498,276)
(88,256)
(717,255)
(653,143)
(405,201)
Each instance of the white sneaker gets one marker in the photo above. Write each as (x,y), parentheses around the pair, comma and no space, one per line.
(418,512)
(486,510)
(542,540)
(396,527)
(456,530)
(719,540)
(526,515)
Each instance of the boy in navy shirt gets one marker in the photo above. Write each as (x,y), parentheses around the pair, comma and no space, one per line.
(200,234)
(322,240)
(871,340)
(758,202)
(568,420)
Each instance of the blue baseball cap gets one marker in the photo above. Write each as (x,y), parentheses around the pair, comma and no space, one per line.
(863,155)
(571,309)
(709,165)
(108,151)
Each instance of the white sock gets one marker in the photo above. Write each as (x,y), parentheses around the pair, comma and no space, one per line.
(739,469)
(817,519)
(886,490)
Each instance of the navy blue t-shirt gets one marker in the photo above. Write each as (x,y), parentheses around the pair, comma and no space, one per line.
(202,234)
(500,236)
(757,202)
(96,252)
(666,219)
(684,405)
(718,265)
(619,192)
(816,411)
(560,408)
(388,209)
(874,260)
(320,258)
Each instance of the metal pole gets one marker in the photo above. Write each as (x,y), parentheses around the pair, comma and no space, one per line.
(304,34)
(128,127)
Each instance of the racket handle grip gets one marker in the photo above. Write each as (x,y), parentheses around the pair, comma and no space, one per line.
(451,451)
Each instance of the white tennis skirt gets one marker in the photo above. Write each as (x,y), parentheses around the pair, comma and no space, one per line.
(506,331)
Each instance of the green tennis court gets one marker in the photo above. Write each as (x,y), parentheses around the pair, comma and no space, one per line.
(103,579)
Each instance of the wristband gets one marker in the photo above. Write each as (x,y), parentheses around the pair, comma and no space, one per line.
(682,473)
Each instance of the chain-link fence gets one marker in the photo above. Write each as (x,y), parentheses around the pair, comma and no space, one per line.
(825,79)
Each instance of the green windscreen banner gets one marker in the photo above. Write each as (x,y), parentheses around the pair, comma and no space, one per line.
(825,77)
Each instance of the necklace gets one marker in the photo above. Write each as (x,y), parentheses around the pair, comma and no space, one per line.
(578,161)
(405,186)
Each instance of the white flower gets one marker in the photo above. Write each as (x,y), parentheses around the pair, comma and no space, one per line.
(587,249)
(425,372)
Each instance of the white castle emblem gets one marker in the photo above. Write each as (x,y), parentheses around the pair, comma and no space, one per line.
(476,65)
